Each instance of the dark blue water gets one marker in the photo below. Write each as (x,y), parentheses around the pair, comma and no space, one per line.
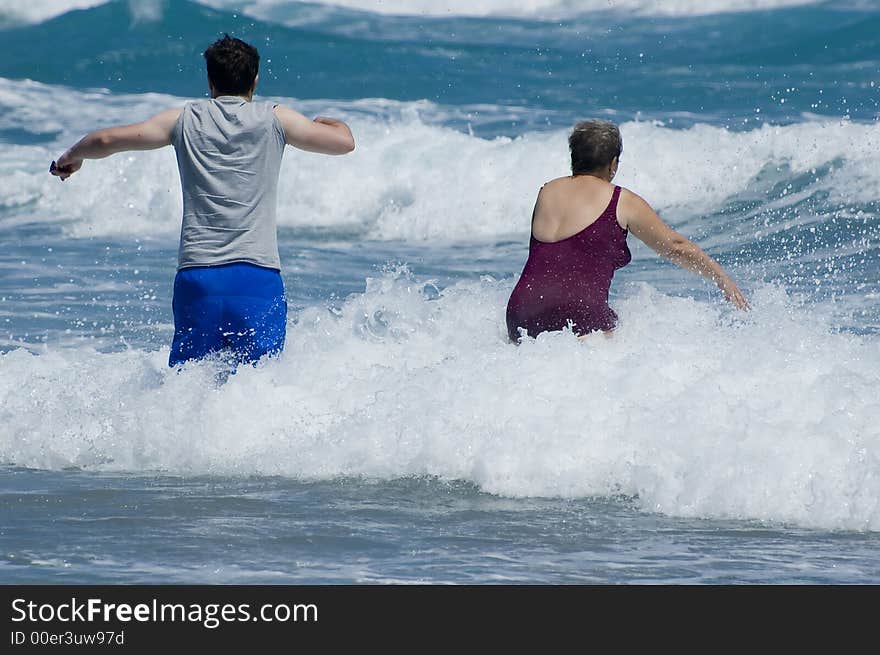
(723,68)
(405,531)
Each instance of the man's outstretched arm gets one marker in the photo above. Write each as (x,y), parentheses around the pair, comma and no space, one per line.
(324,135)
(152,133)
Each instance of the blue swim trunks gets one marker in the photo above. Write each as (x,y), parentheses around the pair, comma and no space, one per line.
(239,308)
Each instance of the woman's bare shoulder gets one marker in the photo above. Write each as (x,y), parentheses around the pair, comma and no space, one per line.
(553,187)
(556,182)
(631,200)
(632,207)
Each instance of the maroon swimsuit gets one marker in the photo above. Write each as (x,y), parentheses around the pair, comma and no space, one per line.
(566,282)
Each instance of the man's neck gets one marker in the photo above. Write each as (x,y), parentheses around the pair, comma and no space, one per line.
(248,96)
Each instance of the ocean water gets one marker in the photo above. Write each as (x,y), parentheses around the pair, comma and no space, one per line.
(399,438)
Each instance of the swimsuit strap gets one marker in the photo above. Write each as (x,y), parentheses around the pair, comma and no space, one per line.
(615,196)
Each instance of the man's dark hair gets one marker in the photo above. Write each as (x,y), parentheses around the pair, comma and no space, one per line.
(593,145)
(232,66)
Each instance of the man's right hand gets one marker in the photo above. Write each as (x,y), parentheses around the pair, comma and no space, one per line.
(65,166)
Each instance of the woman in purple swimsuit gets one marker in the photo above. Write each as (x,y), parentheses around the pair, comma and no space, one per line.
(573,254)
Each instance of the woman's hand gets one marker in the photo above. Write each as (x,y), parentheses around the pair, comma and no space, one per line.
(732,293)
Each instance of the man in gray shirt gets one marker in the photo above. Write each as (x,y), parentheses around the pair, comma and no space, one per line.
(228,293)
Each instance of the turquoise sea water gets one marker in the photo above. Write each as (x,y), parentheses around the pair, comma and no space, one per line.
(399,438)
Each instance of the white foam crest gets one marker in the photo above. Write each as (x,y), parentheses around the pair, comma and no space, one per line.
(146,11)
(695,411)
(410,180)
(542,9)
(21,12)
(37,11)
(704,165)
(113,196)
(48,109)
(413,179)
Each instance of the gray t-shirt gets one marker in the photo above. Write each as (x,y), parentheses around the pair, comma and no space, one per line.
(229,156)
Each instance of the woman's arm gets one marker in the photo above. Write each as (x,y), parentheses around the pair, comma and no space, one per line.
(649,228)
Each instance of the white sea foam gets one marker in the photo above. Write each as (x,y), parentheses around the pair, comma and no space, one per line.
(413,178)
(691,408)
(522,8)
(36,11)
(21,12)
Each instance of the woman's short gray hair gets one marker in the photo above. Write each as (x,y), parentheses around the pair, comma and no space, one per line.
(593,144)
